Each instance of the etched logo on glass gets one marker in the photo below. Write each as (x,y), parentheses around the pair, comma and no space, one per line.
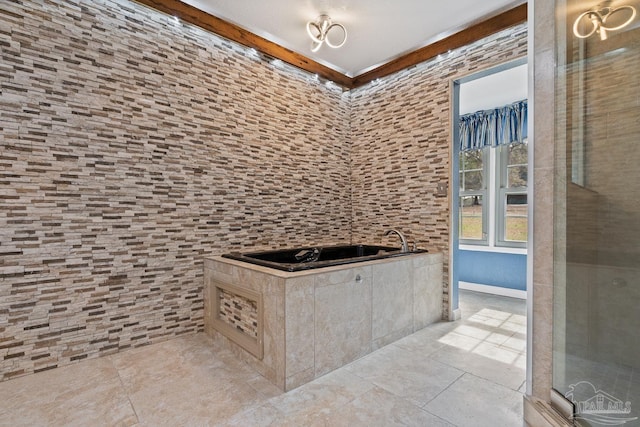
(597,406)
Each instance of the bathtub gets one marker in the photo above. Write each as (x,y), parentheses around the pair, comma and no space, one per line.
(308,258)
(295,326)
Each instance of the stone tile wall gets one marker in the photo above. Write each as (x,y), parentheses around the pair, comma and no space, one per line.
(131,147)
(401,149)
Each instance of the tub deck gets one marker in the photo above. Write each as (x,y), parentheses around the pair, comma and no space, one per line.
(312,257)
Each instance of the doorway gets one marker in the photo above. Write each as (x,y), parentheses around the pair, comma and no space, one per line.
(489,181)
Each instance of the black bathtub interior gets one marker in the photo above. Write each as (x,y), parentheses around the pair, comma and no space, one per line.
(307,258)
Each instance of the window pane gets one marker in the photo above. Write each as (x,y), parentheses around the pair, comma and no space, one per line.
(515,221)
(518,154)
(471,170)
(471,218)
(516,165)
(471,160)
(516,176)
(472,180)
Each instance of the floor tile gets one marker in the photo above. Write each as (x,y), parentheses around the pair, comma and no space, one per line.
(464,373)
(471,302)
(185,382)
(87,393)
(262,415)
(406,374)
(335,388)
(425,341)
(456,340)
(265,387)
(378,407)
(517,342)
(476,402)
(501,354)
(497,364)
(523,388)
(514,327)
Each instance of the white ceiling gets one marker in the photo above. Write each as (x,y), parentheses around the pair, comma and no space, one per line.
(494,90)
(378,30)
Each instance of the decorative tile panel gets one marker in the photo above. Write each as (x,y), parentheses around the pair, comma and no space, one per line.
(239,312)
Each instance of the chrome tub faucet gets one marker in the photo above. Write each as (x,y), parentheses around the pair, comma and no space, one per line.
(405,245)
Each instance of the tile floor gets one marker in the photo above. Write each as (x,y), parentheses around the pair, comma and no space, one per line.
(465,373)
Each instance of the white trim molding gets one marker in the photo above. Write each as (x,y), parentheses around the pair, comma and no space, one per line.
(496,290)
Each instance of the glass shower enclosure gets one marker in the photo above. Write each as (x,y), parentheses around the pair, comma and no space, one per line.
(596,348)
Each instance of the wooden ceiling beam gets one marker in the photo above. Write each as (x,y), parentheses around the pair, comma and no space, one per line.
(206,21)
(462,38)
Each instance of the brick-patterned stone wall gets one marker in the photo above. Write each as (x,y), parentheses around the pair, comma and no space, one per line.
(131,146)
(400,136)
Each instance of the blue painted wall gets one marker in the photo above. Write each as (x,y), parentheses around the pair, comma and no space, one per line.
(491,268)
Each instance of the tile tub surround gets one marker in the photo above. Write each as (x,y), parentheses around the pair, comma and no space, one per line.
(316,321)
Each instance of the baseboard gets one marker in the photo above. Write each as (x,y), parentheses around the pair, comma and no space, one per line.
(495,290)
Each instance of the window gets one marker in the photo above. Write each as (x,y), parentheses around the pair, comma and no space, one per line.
(493,196)
(512,196)
(473,191)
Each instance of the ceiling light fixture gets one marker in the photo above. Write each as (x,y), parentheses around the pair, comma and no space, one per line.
(319,29)
(598,19)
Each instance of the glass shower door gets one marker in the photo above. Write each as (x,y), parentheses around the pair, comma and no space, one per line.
(596,347)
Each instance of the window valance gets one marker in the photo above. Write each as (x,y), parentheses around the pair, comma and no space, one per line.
(499,126)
